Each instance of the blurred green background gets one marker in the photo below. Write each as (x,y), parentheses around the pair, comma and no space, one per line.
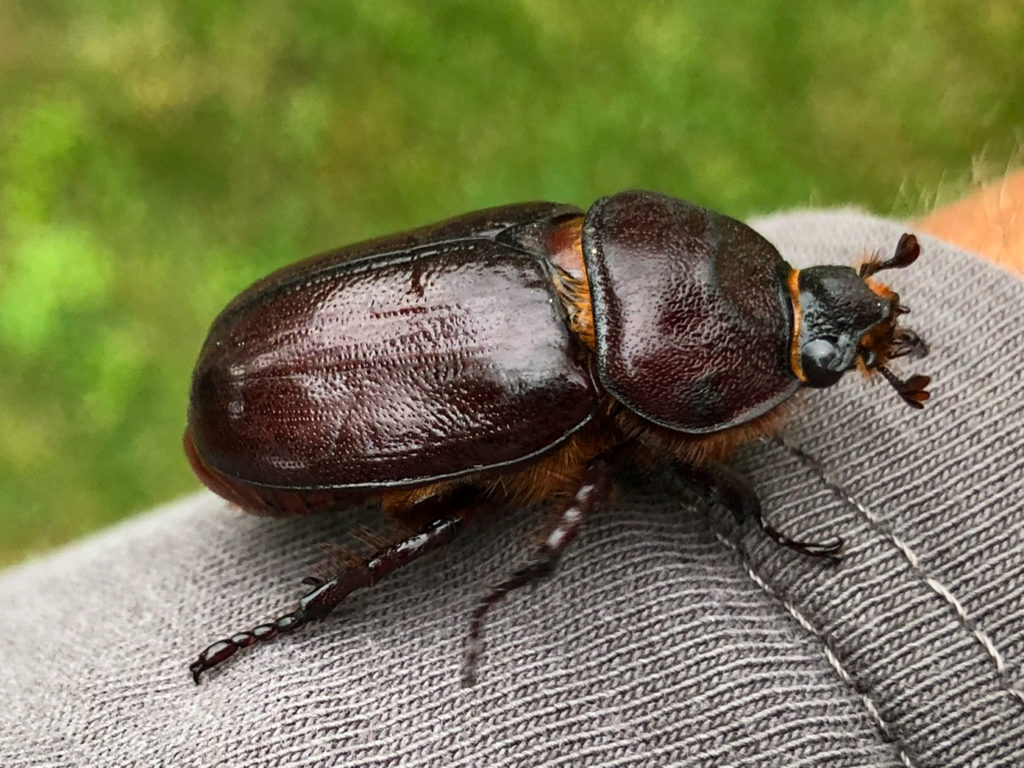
(156,157)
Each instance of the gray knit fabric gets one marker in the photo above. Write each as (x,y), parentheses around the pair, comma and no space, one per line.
(670,636)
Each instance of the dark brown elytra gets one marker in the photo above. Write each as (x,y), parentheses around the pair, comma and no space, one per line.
(521,353)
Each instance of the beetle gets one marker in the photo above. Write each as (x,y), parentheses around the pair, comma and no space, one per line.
(519,353)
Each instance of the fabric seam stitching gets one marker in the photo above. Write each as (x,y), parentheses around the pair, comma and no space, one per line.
(965,621)
(830,655)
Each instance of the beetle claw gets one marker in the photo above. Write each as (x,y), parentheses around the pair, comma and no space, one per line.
(835,551)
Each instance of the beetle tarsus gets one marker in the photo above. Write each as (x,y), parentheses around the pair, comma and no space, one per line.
(724,486)
(834,551)
(539,569)
(326,595)
(591,490)
(222,650)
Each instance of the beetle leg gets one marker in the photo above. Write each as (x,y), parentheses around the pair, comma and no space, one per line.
(720,484)
(592,489)
(326,595)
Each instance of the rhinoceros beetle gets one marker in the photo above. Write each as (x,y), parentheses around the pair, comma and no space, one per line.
(519,352)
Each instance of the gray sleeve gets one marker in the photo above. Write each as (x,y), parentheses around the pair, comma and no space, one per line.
(669,636)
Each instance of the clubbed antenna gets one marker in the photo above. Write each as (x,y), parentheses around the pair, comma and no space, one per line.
(912,390)
(907,251)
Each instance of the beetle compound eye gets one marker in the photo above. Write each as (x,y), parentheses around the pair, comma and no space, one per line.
(819,358)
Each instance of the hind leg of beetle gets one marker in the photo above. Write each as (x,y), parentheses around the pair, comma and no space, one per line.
(720,484)
(460,501)
(327,594)
(591,490)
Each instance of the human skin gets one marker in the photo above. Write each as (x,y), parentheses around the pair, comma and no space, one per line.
(989,222)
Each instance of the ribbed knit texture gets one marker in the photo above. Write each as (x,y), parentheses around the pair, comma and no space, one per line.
(669,636)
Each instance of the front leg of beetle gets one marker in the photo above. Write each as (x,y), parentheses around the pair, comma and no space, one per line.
(724,486)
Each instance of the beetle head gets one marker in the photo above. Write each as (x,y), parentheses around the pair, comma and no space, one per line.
(843,319)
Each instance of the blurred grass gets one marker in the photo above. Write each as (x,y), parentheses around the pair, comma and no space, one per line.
(155,157)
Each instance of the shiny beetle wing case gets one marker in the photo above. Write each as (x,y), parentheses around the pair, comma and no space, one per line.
(440,354)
